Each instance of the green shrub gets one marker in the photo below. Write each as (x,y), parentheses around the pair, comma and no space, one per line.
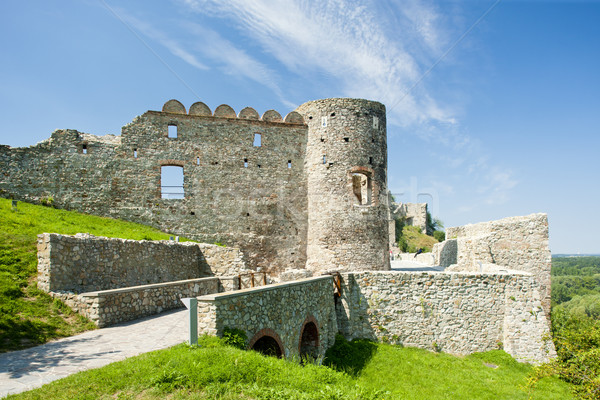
(235,337)
(440,236)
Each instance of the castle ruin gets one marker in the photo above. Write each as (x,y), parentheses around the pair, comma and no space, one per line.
(307,192)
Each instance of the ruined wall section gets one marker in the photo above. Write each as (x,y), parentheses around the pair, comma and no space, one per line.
(252,197)
(516,243)
(457,313)
(75,169)
(346,170)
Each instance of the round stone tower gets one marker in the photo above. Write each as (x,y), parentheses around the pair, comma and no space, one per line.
(346,169)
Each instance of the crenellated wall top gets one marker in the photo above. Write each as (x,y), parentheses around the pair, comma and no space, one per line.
(225,111)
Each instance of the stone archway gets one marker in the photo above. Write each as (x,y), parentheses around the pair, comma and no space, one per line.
(267,342)
(309,338)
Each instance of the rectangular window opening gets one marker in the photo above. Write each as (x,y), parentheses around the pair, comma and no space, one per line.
(245,163)
(84,148)
(171,182)
(257,140)
(371,160)
(346,139)
(324,159)
(172,130)
(362,189)
(289,163)
(134,153)
(197,160)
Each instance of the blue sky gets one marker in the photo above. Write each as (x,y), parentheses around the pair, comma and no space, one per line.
(493,106)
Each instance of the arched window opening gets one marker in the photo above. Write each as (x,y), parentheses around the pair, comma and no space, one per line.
(309,341)
(362,188)
(171,182)
(268,346)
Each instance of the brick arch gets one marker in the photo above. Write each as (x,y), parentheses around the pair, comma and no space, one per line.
(267,332)
(303,345)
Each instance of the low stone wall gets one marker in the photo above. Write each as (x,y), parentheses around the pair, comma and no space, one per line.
(517,243)
(109,307)
(458,313)
(279,310)
(86,263)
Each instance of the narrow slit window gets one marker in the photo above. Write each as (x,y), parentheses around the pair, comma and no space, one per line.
(323,122)
(171,182)
(371,160)
(134,153)
(324,159)
(197,160)
(289,163)
(172,130)
(362,189)
(257,140)
(84,148)
(375,122)
(245,163)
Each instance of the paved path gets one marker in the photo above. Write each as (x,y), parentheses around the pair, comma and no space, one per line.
(399,265)
(31,368)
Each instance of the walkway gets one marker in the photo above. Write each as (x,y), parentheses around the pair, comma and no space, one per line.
(399,265)
(31,368)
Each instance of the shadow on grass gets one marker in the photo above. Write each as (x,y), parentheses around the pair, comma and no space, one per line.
(350,357)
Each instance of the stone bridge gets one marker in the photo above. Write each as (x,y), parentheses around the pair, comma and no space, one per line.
(286,319)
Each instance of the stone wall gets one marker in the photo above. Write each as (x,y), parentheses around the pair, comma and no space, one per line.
(515,243)
(236,193)
(414,214)
(86,263)
(279,310)
(109,307)
(458,313)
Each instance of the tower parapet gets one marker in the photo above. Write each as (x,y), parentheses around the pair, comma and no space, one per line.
(346,170)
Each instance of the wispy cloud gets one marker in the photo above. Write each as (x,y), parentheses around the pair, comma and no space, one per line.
(212,48)
(347,42)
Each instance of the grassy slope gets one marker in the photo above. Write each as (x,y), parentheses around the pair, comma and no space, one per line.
(415,239)
(386,372)
(28,316)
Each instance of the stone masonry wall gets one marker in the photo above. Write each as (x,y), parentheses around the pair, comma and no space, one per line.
(109,307)
(85,263)
(516,243)
(280,309)
(236,193)
(458,313)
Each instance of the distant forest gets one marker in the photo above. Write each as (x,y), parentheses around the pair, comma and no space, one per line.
(576,323)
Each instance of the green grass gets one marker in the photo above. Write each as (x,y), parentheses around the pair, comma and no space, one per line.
(378,371)
(29,316)
(415,239)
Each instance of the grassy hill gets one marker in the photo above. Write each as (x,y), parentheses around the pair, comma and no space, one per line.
(29,316)
(360,370)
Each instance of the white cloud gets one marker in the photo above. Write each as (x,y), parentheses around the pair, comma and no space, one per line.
(346,41)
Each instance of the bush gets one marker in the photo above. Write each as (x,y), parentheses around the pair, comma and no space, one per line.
(235,337)
(439,235)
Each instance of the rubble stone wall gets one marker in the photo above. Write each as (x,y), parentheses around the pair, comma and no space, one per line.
(109,307)
(86,263)
(516,243)
(235,192)
(281,309)
(458,313)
